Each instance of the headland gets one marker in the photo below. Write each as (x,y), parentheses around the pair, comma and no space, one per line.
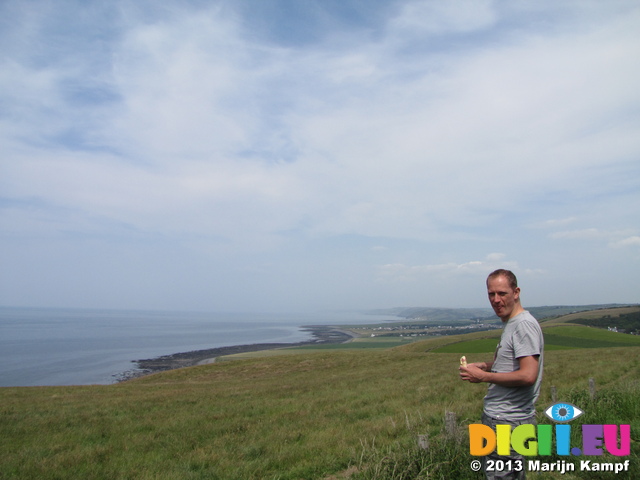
(321,335)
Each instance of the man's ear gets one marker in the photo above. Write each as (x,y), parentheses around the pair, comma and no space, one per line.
(516,293)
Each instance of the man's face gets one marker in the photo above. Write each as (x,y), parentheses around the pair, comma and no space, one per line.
(502,297)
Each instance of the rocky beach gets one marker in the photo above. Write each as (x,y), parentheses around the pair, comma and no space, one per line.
(321,335)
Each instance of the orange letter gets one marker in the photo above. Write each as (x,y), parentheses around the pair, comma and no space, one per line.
(482,440)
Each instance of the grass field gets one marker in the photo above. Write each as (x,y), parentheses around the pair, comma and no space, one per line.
(312,415)
(555,337)
(600,313)
(363,343)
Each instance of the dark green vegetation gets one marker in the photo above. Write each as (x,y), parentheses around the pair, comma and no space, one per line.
(627,323)
(317,415)
(542,313)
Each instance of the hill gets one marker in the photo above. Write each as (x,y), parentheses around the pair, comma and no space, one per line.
(560,333)
(320,415)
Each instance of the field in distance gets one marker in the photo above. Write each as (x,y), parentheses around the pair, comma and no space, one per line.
(476,330)
(560,333)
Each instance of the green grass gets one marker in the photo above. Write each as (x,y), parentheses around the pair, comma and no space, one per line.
(588,337)
(361,343)
(294,416)
(448,456)
(364,343)
(555,338)
(315,415)
(287,417)
(592,314)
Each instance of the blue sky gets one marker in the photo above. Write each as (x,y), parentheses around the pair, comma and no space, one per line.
(287,155)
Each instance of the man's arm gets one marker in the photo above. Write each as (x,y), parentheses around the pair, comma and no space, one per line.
(525,376)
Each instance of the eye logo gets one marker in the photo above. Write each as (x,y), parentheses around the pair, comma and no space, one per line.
(563,412)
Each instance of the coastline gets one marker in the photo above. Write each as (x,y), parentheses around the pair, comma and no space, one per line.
(321,335)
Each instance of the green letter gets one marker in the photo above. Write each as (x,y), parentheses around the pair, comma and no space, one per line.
(521,435)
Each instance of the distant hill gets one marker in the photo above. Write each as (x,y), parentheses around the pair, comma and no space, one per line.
(436,314)
(545,312)
(623,323)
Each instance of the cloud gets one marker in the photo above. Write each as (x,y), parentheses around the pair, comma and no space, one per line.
(626,242)
(437,18)
(615,239)
(587,233)
(405,273)
(555,222)
(441,130)
(206,119)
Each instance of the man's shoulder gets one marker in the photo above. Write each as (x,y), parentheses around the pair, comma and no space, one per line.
(523,320)
(524,316)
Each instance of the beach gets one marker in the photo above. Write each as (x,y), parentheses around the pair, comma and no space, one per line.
(321,335)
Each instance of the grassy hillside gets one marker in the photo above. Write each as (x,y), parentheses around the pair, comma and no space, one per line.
(555,337)
(592,314)
(318,415)
(560,333)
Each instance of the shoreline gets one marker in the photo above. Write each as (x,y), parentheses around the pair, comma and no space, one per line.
(321,335)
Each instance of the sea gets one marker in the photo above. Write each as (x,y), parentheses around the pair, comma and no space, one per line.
(46,346)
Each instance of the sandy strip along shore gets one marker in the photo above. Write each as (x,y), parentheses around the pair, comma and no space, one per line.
(322,334)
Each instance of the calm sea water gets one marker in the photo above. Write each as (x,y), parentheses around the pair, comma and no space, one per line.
(77,347)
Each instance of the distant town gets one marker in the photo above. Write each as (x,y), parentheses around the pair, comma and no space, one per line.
(413,330)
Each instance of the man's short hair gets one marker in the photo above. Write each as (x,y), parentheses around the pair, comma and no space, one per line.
(508,274)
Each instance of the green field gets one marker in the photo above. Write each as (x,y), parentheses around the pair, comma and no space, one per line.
(364,343)
(555,338)
(313,415)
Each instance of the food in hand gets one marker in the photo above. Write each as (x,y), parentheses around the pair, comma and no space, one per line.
(463,361)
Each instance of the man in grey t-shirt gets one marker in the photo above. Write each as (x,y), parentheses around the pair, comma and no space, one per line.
(515,374)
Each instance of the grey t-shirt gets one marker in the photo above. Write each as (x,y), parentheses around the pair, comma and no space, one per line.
(521,337)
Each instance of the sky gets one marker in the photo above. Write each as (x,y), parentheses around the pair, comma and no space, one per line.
(288,155)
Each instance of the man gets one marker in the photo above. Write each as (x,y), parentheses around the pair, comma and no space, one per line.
(515,374)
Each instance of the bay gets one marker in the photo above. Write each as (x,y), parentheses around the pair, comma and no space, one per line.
(41,346)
